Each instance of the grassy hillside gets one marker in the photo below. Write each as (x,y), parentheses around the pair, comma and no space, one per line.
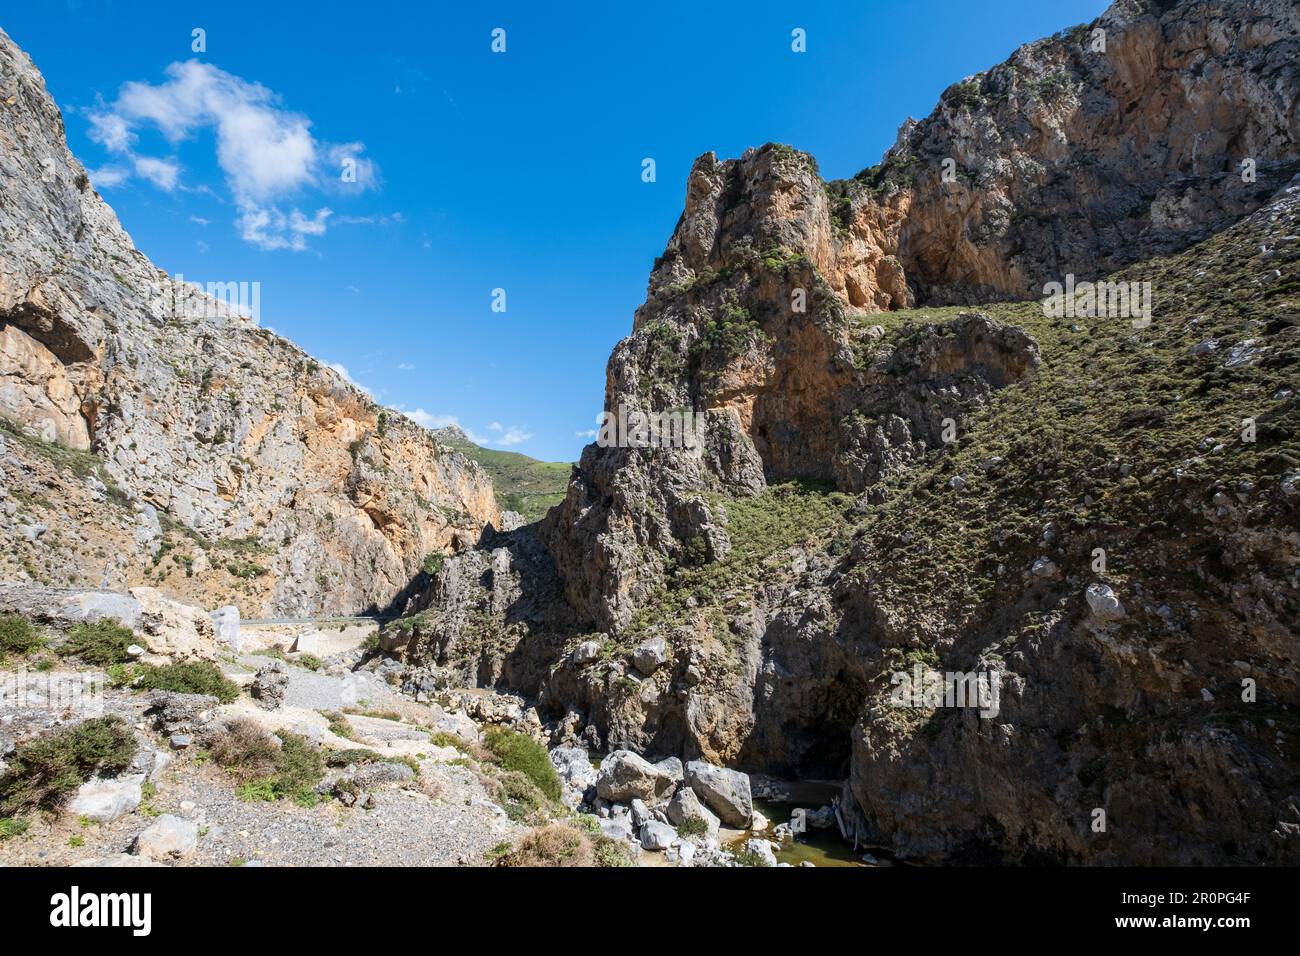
(522,484)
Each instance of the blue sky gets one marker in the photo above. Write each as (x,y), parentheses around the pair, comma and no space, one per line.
(474,171)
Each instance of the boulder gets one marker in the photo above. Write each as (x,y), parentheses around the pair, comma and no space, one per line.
(686,805)
(822,818)
(574,767)
(308,643)
(174,713)
(1103,603)
(673,767)
(650,656)
(657,836)
(724,791)
(173,628)
(225,620)
(382,771)
(1044,567)
(624,775)
(763,849)
(586,652)
(168,838)
(640,813)
(617,828)
(104,799)
(270,685)
(68,606)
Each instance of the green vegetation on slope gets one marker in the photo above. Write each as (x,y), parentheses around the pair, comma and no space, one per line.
(45,770)
(522,484)
(1121,429)
(1116,442)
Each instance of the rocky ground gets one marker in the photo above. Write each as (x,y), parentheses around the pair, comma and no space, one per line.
(417,787)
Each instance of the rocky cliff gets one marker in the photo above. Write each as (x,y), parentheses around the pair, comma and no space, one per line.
(153,435)
(1100,515)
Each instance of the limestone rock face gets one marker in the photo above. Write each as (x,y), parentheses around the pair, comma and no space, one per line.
(1140,144)
(169,435)
(768,317)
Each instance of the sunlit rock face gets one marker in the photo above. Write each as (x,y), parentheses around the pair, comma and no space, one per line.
(209,428)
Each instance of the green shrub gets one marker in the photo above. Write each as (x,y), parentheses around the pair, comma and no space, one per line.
(339,725)
(749,858)
(243,749)
(519,752)
(245,569)
(611,852)
(17,636)
(190,677)
(12,827)
(433,563)
(693,826)
(298,768)
(554,845)
(520,797)
(46,769)
(310,661)
(104,642)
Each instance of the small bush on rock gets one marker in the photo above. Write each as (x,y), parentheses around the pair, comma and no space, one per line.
(46,769)
(298,768)
(611,852)
(190,677)
(103,642)
(12,827)
(519,752)
(243,749)
(554,845)
(17,636)
(519,797)
(692,826)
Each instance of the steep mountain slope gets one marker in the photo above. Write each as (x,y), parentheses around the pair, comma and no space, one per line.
(153,435)
(1101,515)
(524,485)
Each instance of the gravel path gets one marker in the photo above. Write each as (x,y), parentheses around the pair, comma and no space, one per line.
(443,819)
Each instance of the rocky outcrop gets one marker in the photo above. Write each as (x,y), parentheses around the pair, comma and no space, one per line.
(172,441)
(1133,129)
(877,495)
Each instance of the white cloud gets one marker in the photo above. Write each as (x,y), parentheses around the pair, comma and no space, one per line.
(161,172)
(347,170)
(266,152)
(106,177)
(200,220)
(429,419)
(383,219)
(405,367)
(589,433)
(495,427)
(111,131)
(269,228)
(432,420)
(514,435)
